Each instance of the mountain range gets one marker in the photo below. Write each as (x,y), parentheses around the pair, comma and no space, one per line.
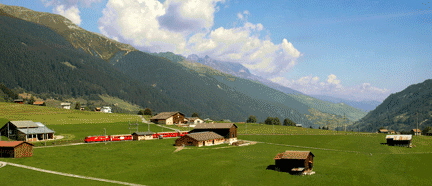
(47,54)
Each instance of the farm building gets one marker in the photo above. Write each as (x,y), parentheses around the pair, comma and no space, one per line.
(416,132)
(138,136)
(65,105)
(399,140)
(299,125)
(295,162)
(200,139)
(15,149)
(19,101)
(168,118)
(26,131)
(384,131)
(39,103)
(429,133)
(227,130)
(194,120)
(106,109)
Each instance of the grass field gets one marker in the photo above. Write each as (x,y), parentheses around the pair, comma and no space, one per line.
(341,158)
(55,116)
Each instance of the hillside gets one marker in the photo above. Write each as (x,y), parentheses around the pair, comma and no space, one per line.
(402,111)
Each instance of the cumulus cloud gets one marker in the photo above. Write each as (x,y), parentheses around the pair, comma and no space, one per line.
(186,27)
(332,86)
(69,8)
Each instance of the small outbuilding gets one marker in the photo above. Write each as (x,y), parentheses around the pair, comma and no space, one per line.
(383,131)
(399,140)
(19,101)
(65,105)
(200,139)
(429,133)
(299,125)
(39,103)
(15,149)
(295,162)
(138,136)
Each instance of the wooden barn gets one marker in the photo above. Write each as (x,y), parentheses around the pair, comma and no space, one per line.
(227,130)
(26,131)
(295,162)
(200,139)
(39,103)
(429,133)
(138,136)
(168,118)
(399,140)
(384,131)
(15,149)
(19,101)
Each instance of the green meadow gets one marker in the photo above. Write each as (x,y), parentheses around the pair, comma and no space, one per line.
(341,158)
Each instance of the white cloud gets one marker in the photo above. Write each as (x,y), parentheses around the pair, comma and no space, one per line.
(69,8)
(186,27)
(332,87)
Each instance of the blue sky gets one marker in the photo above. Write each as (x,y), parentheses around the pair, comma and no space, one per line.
(358,50)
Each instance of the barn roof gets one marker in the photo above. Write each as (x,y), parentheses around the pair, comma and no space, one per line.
(299,155)
(12,143)
(202,136)
(143,133)
(399,137)
(38,102)
(24,124)
(215,125)
(165,115)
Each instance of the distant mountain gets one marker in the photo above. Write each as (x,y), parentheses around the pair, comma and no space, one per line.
(91,43)
(363,105)
(401,111)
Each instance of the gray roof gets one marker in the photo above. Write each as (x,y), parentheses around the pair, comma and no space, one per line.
(165,115)
(214,125)
(143,133)
(24,124)
(202,136)
(39,130)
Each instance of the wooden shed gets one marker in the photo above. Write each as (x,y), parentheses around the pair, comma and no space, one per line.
(15,149)
(227,130)
(168,118)
(399,140)
(138,136)
(200,139)
(295,162)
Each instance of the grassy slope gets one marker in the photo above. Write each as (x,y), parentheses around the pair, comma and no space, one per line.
(54,116)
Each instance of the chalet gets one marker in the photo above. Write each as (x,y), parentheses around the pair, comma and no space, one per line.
(65,105)
(194,120)
(39,103)
(399,140)
(26,131)
(384,131)
(19,101)
(15,149)
(295,162)
(168,118)
(227,130)
(138,136)
(416,132)
(106,109)
(200,139)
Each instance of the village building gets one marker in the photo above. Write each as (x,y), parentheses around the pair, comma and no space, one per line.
(168,118)
(65,105)
(384,131)
(295,162)
(106,109)
(299,125)
(39,103)
(138,136)
(194,120)
(429,133)
(15,149)
(399,140)
(200,139)
(416,132)
(227,130)
(19,101)
(26,131)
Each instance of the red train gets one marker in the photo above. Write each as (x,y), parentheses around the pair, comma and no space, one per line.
(128,137)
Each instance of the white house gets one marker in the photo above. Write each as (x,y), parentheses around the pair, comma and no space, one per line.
(65,105)
(106,109)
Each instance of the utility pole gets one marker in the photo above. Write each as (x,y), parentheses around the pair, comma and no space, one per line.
(416,133)
(105,131)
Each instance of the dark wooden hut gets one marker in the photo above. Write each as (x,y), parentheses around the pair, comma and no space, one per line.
(227,130)
(15,149)
(399,140)
(294,162)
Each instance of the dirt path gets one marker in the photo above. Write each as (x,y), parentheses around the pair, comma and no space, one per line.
(69,175)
